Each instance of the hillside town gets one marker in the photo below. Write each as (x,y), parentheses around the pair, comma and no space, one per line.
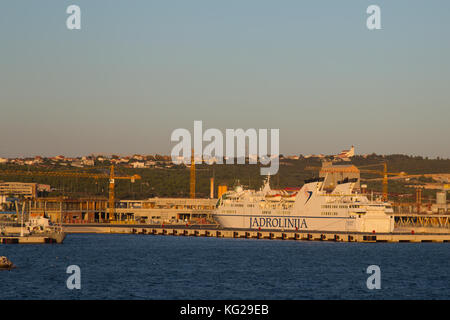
(139,161)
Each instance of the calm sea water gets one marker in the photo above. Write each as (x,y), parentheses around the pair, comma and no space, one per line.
(166,267)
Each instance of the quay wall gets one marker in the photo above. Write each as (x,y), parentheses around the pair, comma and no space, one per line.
(270,235)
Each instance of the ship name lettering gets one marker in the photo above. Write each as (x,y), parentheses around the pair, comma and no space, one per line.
(267,222)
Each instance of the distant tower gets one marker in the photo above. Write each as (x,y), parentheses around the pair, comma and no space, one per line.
(351,152)
(192,184)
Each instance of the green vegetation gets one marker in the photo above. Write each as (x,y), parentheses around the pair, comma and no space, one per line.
(174,181)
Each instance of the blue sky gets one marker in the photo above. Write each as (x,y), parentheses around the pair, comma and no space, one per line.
(137,70)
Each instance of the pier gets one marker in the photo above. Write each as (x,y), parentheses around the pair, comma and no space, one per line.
(209,231)
(57,238)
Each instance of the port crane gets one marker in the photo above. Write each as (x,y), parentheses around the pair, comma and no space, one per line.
(111,176)
(192,175)
(383,173)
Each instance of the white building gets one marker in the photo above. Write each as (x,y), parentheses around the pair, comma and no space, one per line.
(345,154)
(138,164)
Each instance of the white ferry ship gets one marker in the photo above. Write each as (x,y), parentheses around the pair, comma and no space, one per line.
(311,208)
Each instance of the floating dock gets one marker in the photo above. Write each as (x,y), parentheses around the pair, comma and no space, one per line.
(263,234)
(33,239)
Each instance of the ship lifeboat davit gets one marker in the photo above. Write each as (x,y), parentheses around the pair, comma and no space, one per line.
(6,264)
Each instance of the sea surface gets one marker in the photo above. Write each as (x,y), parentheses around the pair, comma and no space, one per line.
(167,267)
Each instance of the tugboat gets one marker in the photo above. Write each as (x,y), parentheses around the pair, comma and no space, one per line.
(6,264)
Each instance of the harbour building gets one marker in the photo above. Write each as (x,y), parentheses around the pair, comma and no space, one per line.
(334,173)
(95,210)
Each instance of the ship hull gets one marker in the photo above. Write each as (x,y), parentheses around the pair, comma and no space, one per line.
(376,223)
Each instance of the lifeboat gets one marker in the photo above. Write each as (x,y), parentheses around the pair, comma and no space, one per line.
(273,197)
(290,196)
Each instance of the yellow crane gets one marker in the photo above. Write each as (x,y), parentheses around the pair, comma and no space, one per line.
(383,173)
(111,176)
(192,176)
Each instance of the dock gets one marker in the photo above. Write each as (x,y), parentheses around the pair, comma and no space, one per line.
(33,239)
(197,231)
